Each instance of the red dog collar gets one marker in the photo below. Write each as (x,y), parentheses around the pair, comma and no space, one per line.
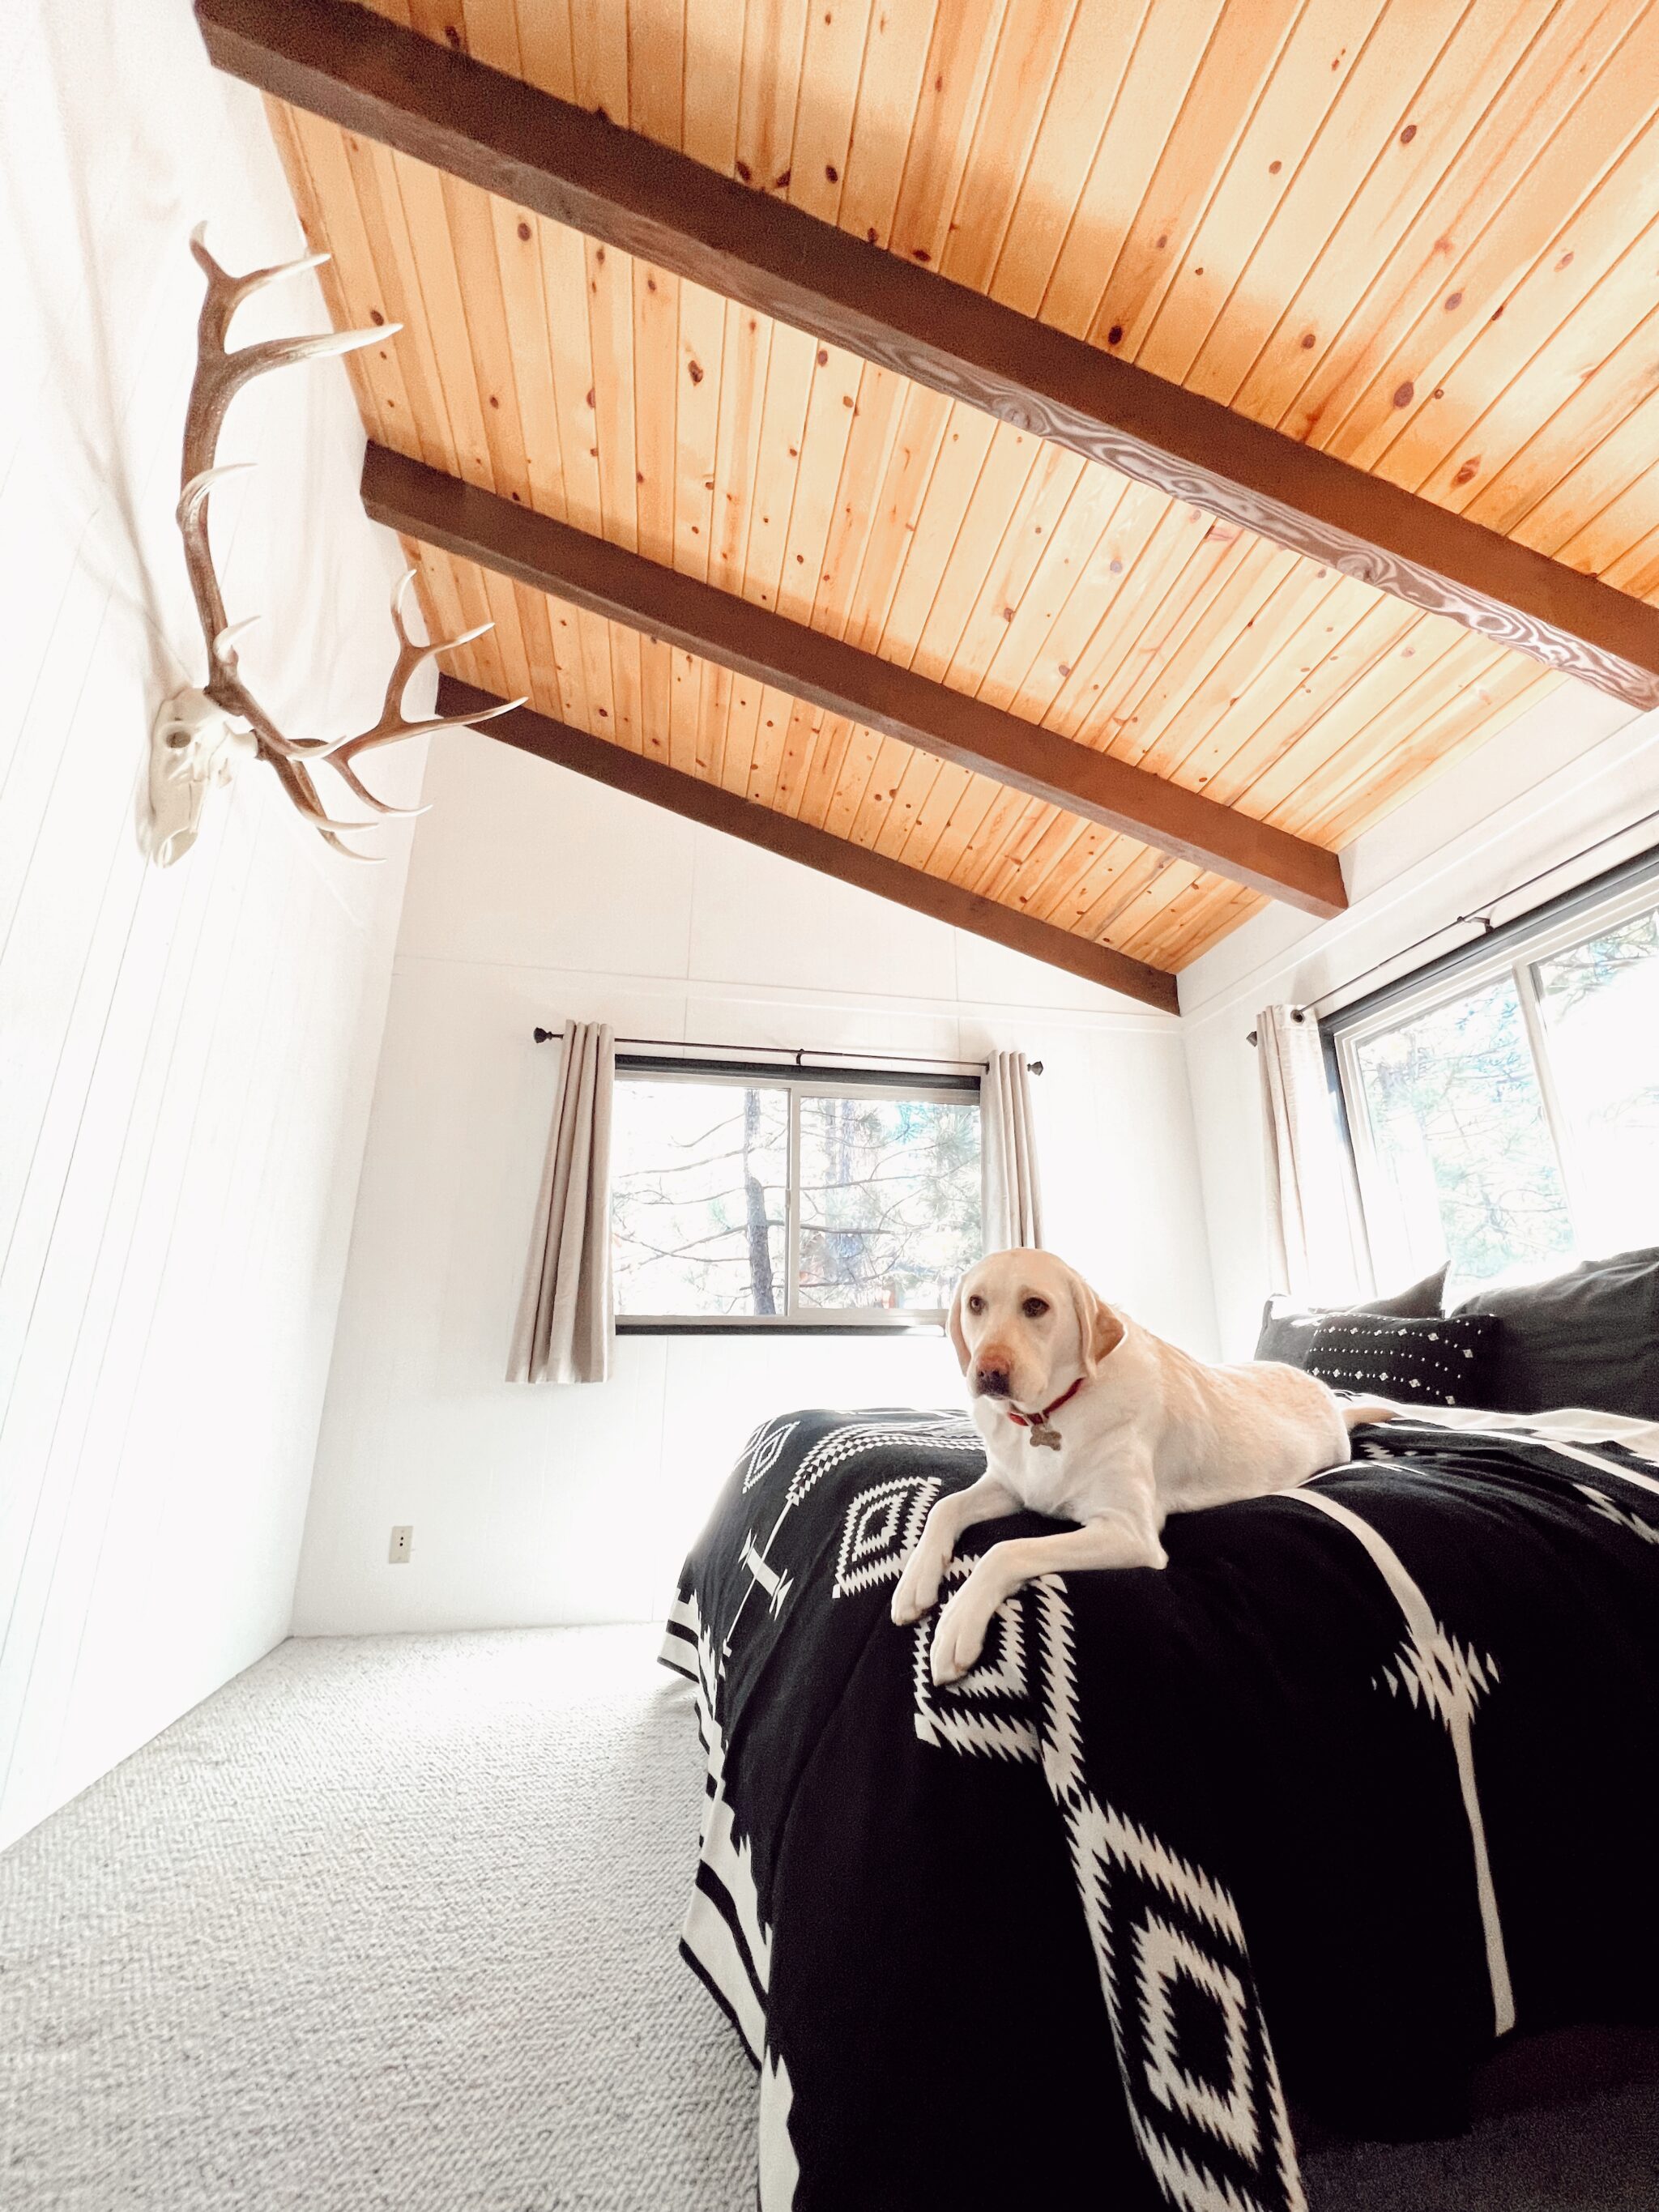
(1037,1420)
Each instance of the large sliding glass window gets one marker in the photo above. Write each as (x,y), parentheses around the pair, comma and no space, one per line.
(1506,1118)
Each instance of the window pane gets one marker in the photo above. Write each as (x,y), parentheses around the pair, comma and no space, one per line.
(1463,1153)
(1601,1005)
(700,1174)
(889,1201)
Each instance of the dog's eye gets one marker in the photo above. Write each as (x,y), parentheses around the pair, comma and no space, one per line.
(976,1304)
(1034,1308)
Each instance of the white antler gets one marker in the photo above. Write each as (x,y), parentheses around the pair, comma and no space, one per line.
(220,373)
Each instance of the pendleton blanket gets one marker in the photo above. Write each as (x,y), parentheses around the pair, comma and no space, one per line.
(1363,1781)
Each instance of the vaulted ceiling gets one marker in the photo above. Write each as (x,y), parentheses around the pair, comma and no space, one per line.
(1420,238)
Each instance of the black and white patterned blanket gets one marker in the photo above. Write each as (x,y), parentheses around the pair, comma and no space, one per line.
(1364,1780)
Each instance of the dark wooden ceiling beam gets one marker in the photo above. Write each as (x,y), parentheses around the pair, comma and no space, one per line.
(389,83)
(644,777)
(754,641)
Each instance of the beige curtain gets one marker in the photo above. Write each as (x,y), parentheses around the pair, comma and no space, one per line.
(1010,1195)
(564,1330)
(1309,1242)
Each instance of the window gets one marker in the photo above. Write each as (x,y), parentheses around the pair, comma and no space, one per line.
(754,1198)
(1505,1115)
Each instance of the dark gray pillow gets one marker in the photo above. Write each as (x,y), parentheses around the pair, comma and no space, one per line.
(1287,1331)
(1438,1361)
(1589,1338)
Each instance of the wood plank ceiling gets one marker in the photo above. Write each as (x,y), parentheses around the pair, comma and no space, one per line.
(1422,236)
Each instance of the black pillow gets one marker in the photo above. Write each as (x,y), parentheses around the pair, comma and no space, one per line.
(1287,1331)
(1589,1338)
(1435,1362)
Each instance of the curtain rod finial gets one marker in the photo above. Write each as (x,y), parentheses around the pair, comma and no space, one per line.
(544,1037)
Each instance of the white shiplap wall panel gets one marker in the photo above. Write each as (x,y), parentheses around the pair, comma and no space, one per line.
(186,1058)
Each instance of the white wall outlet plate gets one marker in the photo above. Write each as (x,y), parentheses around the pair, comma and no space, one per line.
(402,1537)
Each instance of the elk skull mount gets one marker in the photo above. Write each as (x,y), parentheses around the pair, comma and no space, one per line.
(201,737)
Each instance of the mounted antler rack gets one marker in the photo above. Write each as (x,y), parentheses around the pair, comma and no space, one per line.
(201,737)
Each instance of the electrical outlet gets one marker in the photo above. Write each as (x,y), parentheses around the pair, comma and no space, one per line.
(402,1537)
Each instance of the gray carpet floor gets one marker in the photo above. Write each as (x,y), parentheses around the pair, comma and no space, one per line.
(392,1923)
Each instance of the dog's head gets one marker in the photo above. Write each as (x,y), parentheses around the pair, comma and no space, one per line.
(1025,1327)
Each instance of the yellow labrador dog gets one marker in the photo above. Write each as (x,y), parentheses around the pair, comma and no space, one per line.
(1088,1417)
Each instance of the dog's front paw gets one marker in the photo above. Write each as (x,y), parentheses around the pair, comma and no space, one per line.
(960,1637)
(918,1587)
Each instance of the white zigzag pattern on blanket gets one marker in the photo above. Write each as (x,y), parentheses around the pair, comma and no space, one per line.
(941,1718)
(1449,1677)
(1165,1956)
(764,1449)
(1186,2185)
(864,1436)
(1098,1839)
(1618,1516)
(1125,1839)
(829,1452)
(1108,1834)
(722,1943)
(1098,1835)
(882,1527)
(1450,1692)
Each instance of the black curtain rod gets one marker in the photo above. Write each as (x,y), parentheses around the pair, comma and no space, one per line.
(1480,913)
(796,1052)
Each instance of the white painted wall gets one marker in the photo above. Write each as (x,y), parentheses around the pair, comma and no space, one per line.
(535,896)
(187,1058)
(1575,768)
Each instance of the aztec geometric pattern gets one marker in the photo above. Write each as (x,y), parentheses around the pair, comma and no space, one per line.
(943,1432)
(763,1451)
(990,1710)
(724,1939)
(1167,1736)
(1448,1677)
(1616,1514)
(883,1526)
(1193,2049)
(1433,1662)
(832,1453)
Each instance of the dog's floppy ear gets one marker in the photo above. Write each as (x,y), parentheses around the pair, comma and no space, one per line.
(1108,1331)
(954,1328)
(1099,1330)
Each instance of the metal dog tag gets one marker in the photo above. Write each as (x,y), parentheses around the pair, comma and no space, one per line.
(1041,1434)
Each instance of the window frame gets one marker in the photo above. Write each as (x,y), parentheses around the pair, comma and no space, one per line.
(1512,950)
(795,1076)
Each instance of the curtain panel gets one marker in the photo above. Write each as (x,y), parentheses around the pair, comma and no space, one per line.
(564,1327)
(1011,1193)
(1309,1237)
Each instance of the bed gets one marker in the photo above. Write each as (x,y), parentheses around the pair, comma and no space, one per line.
(1357,1791)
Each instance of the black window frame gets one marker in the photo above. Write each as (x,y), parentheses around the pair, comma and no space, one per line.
(908,1082)
(1507,947)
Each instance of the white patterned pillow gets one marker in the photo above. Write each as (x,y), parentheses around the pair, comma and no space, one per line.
(1443,1362)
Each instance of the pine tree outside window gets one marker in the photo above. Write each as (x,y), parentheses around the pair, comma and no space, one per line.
(749,1199)
(1505,1114)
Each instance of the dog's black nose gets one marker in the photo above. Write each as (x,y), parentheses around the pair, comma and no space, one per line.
(991,1382)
